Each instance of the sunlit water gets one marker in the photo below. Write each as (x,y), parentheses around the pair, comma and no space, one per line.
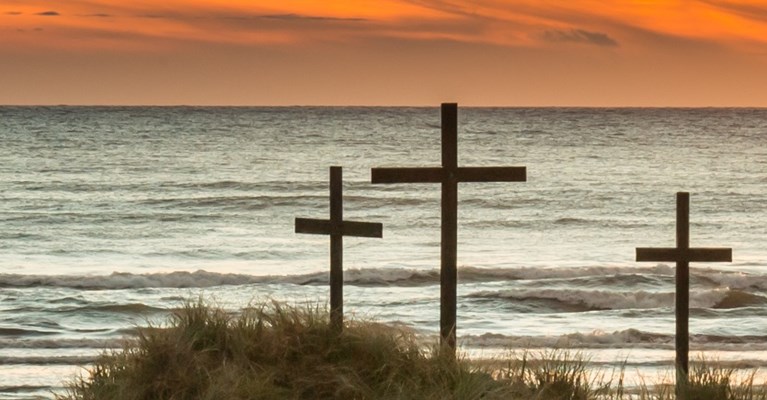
(112,217)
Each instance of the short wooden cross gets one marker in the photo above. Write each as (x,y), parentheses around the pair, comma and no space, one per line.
(337,228)
(682,254)
(449,175)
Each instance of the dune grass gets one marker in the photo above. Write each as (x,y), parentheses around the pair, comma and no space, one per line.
(276,351)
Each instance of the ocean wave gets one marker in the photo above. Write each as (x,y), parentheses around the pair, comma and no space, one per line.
(17,332)
(610,276)
(62,343)
(392,277)
(579,300)
(468,273)
(594,340)
(47,360)
(616,281)
(124,280)
(572,221)
(133,308)
(612,223)
(738,299)
(77,187)
(260,202)
(203,279)
(361,277)
(26,389)
(734,279)
(247,186)
(628,338)
(619,275)
(232,202)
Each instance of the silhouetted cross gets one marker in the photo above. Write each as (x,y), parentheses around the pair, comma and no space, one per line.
(337,228)
(449,175)
(682,254)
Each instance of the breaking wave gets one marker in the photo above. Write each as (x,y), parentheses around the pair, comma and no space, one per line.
(61,343)
(16,332)
(47,360)
(612,276)
(628,338)
(577,300)
(133,308)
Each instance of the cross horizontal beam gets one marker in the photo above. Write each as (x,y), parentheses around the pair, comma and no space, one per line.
(407,175)
(345,228)
(684,255)
(492,174)
(439,174)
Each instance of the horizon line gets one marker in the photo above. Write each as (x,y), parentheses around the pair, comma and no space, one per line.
(182,105)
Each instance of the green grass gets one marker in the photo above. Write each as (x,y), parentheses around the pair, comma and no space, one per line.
(275,351)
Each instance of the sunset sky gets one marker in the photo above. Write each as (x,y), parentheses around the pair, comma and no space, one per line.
(385,52)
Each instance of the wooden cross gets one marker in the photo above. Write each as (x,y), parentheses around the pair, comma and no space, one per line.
(448,175)
(337,228)
(682,254)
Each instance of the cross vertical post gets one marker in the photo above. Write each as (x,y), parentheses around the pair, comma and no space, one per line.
(449,175)
(683,255)
(682,297)
(336,249)
(448,253)
(337,228)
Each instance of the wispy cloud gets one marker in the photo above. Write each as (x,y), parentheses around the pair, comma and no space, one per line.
(748,11)
(578,36)
(290,17)
(49,14)
(299,17)
(13,13)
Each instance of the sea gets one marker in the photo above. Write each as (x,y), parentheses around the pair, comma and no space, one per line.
(111,218)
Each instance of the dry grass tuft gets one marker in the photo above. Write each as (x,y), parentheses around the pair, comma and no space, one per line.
(275,351)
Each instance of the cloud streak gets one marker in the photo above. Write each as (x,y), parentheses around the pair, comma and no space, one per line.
(298,17)
(578,36)
(48,14)
(748,11)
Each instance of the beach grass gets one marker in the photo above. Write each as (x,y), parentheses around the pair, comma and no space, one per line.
(278,351)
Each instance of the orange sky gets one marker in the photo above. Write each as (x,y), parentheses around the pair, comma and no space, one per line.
(385,52)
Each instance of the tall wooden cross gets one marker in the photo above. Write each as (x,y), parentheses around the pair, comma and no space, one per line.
(337,228)
(682,254)
(448,175)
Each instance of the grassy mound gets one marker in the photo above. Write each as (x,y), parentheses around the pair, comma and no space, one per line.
(280,352)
